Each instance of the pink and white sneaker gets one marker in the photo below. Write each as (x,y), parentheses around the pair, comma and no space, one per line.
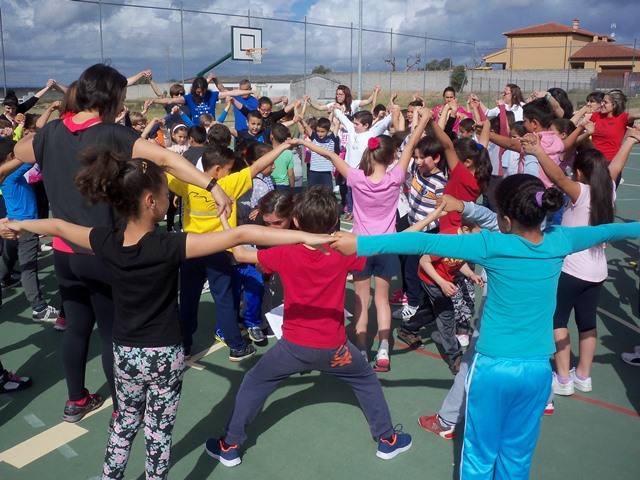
(398,298)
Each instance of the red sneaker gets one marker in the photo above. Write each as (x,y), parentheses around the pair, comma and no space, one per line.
(61,324)
(549,409)
(432,424)
(398,298)
(383,364)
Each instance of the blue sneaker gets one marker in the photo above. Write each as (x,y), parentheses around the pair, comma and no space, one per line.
(228,455)
(219,336)
(398,443)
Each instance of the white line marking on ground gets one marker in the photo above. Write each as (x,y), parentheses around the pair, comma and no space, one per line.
(627,199)
(67,452)
(58,436)
(33,420)
(625,184)
(193,359)
(633,327)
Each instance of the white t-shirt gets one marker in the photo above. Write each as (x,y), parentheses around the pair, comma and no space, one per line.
(355,105)
(515,108)
(591,264)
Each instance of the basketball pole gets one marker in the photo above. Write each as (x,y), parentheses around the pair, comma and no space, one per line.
(214,64)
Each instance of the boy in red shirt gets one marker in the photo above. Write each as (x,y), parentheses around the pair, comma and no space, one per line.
(313,333)
(437,276)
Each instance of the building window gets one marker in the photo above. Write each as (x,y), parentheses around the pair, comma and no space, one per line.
(577,66)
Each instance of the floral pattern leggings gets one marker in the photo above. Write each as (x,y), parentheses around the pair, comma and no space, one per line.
(148,384)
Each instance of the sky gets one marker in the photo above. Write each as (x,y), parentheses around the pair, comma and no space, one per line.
(59,38)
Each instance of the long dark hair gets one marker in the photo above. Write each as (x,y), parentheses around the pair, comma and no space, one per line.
(278,203)
(563,99)
(516,94)
(101,87)
(347,99)
(516,198)
(593,167)
(111,178)
(468,149)
(199,82)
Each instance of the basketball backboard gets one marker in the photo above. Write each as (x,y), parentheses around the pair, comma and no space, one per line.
(243,39)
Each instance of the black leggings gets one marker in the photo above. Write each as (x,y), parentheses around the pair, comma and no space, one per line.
(578,295)
(86,298)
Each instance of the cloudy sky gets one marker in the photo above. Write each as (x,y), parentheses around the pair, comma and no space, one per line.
(58,38)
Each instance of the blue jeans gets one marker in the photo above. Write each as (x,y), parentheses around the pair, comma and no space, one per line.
(248,280)
(218,270)
(320,178)
(285,359)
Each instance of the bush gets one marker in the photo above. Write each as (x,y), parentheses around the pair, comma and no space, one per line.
(458,78)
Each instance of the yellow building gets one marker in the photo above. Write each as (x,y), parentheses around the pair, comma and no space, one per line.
(554,46)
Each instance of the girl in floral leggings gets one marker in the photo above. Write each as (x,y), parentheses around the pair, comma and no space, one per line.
(142,264)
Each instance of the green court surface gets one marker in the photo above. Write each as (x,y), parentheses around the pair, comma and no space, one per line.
(311,426)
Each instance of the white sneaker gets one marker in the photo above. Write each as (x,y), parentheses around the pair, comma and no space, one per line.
(404,313)
(564,389)
(632,359)
(48,314)
(45,248)
(463,339)
(582,385)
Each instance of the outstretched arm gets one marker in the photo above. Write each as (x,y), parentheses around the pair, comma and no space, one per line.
(581,238)
(339,163)
(424,115)
(267,159)
(449,152)
(505,142)
(373,98)
(200,245)
(53,226)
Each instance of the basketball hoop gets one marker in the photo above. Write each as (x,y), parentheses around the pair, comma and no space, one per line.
(255,54)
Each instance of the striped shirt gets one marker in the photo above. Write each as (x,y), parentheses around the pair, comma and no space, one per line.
(318,162)
(423,193)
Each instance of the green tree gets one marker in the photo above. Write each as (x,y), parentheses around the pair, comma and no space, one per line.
(458,78)
(321,70)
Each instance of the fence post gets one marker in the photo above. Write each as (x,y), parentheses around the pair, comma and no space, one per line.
(182,41)
(391,58)
(305,56)
(101,42)
(351,55)
(424,69)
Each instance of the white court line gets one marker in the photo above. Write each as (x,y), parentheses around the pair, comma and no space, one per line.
(58,436)
(627,199)
(631,326)
(625,184)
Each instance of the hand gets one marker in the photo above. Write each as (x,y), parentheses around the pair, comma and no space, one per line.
(175,110)
(293,141)
(222,200)
(345,243)
(477,279)
(377,88)
(159,121)
(285,101)
(531,144)
(212,77)
(50,83)
(448,288)
(9,229)
(315,239)
(394,97)
(449,203)
(146,105)
(633,134)
(499,102)
(297,119)
(424,114)
(225,222)
(55,105)
(306,98)
(254,214)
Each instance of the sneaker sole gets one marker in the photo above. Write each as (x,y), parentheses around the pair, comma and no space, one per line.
(223,461)
(395,453)
(80,416)
(583,389)
(239,359)
(629,362)
(564,393)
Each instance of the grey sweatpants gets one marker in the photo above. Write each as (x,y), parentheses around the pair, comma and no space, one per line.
(25,252)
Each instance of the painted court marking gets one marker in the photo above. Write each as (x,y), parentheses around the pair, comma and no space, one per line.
(621,321)
(59,436)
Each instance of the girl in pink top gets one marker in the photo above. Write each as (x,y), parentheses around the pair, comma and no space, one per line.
(448,109)
(376,191)
(591,193)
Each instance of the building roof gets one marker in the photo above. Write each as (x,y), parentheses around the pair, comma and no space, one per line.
(601,50)
(496,57)
(552,28)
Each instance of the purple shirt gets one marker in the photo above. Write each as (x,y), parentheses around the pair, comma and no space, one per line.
(375,203)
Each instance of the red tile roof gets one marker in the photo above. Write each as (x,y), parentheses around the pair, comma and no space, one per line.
(551,28)
(599,50)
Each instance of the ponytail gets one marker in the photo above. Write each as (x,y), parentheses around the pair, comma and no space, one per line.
(111,178)
(593,166)
(523,198)
(469,149)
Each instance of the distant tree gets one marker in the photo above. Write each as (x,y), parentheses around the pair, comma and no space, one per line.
(458,78)
(435,64)
(392,63)
(412,62)
(321,70)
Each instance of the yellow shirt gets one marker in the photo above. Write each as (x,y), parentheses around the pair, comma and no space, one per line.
(200,213)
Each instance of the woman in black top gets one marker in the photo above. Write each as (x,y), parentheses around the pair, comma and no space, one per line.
(141,263)
(57,147)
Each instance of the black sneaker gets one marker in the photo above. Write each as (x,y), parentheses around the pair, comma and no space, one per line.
(410,338)
(256,335)
(10,382)
(268,332)
(74,411)
(239,354)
